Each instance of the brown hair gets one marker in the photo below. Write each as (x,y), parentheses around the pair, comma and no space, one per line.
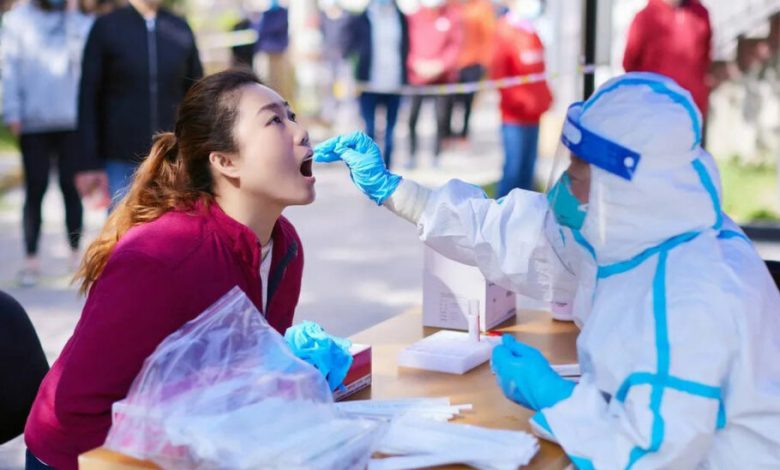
(176,173)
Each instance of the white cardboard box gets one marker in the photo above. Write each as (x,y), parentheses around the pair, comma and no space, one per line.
(449,285)
(451,352)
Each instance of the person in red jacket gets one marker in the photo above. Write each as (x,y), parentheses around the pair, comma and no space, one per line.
(673,38)
(202,216)
(479,29)
(519,51)
(435,37)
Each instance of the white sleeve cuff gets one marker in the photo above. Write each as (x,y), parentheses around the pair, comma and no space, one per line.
(408,201)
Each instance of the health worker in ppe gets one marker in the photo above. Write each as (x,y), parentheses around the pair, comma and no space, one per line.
(680,318)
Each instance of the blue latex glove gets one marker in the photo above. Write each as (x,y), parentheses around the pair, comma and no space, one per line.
(526,377)
(365,163)
(329,354)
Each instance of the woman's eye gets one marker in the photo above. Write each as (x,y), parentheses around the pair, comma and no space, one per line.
(292,117)
(275,120)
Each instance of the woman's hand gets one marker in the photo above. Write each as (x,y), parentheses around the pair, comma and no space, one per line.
(365,163)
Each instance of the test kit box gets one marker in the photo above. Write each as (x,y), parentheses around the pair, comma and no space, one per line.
(359,375)
(449,285)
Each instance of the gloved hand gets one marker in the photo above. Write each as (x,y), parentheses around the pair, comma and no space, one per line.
(329,354)
(526,377)
(365,163)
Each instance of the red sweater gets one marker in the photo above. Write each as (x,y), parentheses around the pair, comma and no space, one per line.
(673,41)
(435,34)
(161,275)
(519,51)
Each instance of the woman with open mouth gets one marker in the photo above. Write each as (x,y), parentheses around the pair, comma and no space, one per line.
(203,215)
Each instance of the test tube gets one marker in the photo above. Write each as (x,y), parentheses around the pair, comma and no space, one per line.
(472,316)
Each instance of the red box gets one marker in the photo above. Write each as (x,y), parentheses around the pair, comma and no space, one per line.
(359,375)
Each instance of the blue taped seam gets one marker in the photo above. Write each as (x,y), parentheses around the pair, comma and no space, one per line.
(662,345)
(582,241)
(659,313)
(662,348)
(658,87)
(563,236)
(706,181)
(623,266)
(728,234)
(581,463)
(676,383)
(540,419)
(633,380)
(721,422)
(694,388)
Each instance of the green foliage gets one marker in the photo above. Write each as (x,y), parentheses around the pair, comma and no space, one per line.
(8,142)
(750,192)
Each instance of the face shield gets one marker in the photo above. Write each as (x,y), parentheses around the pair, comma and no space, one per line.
(568,187)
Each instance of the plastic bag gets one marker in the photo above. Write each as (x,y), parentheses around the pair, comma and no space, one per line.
(225,392)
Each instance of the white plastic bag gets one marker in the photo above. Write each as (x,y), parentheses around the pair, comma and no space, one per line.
(226,392)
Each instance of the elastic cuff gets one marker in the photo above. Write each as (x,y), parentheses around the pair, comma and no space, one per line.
(409,200)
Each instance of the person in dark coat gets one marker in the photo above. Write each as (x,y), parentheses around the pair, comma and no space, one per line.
(22,367)
(139,62)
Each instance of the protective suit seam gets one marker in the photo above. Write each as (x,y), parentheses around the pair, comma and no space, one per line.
(658,87)
(683,386)
(709,186)
(579,238)
(608,270)
(662,347)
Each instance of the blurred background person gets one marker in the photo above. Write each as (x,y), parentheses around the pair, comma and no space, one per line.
(519,51)
(23,365)
(271,51)
(242,55)
(42,45)
(139,62)
(379,38)
(333,27)
(100,7)
(478,23)
(673,38)
(435,37)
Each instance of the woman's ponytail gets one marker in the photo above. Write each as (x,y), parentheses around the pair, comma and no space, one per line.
(159,185)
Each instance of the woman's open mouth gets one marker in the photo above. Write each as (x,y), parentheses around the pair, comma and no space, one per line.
(306,167)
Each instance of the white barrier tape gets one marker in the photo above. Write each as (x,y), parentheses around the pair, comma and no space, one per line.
(249,36)
(470,87)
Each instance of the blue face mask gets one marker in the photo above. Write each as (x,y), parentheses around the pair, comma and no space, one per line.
(568,210)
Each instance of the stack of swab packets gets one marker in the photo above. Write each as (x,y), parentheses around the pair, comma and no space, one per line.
(420,436)
(437,409)
(412,442)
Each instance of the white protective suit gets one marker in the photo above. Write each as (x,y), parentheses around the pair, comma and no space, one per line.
(680,340)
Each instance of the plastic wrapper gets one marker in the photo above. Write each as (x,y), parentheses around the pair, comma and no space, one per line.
(225,392)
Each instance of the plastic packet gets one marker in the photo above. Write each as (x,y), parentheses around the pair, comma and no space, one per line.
(225,392)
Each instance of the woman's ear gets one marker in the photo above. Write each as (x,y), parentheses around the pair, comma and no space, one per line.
(224,164)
